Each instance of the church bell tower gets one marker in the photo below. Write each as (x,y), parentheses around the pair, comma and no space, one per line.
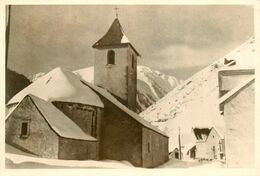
(115,66)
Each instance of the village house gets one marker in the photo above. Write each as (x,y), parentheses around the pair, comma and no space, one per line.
(209,144)
(188,147)
(102,114)
(38,127)
(237,91)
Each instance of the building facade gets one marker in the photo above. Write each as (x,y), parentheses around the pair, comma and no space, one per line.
(238,110)
(37,127)
(210,146)
(115,66)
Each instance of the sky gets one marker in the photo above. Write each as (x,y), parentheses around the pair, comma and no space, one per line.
(176,39)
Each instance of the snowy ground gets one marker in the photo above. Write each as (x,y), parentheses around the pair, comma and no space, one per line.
(175,163)
(17,159)
(14,161)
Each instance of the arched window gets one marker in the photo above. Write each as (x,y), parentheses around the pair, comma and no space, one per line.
(133,61)
(111,57)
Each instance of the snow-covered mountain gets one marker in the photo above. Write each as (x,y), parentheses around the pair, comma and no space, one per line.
(195,101)
(151,85)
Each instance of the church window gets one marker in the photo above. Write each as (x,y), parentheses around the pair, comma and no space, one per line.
(149,147)
(111,57)
(25,129)
(93,124)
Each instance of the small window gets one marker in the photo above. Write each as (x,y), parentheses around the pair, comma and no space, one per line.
(25,129)
(149,147)
(133,61)
(93,124)
(111,57)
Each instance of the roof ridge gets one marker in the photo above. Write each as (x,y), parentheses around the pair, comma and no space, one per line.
(85,137)
(235,90)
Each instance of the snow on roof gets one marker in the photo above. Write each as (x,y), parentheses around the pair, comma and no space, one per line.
(59,122)
(10,110)
(113,100)
(114,37)
(86,73)
(244,56)
(235,90)
(60,85)
(219,131)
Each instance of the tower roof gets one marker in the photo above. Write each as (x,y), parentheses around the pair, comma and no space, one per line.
(114,37)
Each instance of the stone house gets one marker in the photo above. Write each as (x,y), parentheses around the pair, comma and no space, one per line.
(39,127)
(237,106)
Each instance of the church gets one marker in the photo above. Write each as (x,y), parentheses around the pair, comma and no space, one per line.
(61,116)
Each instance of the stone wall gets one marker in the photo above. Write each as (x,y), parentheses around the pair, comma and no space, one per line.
(121,136)
(42,140)
(131,79)
(85,116)
(112,77)
(71,149)
(155,148)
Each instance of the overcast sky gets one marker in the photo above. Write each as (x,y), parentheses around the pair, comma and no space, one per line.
(178,40)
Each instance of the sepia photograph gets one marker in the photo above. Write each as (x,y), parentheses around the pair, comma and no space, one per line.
(128,86)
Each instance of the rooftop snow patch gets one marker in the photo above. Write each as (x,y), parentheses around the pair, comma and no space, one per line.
(236,90)
(58,121)
(60,85)
(244,56)
(86,74)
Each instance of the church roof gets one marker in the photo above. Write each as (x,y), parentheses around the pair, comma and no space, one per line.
(104,93)
(60,85)
(114,37)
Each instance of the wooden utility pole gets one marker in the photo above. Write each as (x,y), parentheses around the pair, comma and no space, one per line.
(180,143)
